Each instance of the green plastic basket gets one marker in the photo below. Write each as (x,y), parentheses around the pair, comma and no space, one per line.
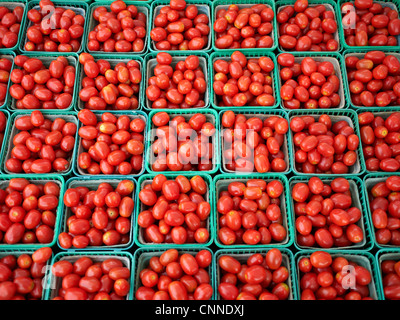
(203,6)
(139,207)
(132,115)
(12,131)
(338,63)
(360,52)
(369,181)
(393,4)
(243,254)
(358,201)
(37,179)
(47,58)
(113,60)
(11,5)
(221,182)
(92,183)
(336,115)
(19,252)
(224,4)
(142,257)
(79,7)
(211,116)
(10,55)
(142,6)
(262,114)
(383,255)
(7,114)
(222,55)
(362,258)
(151,62)
(381,112)
(330,5)
(54,283)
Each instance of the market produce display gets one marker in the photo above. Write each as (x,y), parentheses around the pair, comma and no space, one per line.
(42,143)
(199,150)
(390,272)
(5,69)
(182,143)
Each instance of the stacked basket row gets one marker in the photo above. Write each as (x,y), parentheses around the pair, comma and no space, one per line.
(137,262)
(148,62)
(359,191)
(212,116)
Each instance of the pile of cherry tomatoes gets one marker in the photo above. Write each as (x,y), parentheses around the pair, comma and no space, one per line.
(325,277)
(122,29)
(180,26)
(181,85)
(309,84)
(250,213)
(326,215)
(380,138)
(39,86)
(112,144)
(384,204)
(22,275)
(41,145)
(10,25)
(377,24)
(306,27)
(29,211)
(106,87)
(174,210)
(254,277)
(373,79)
(98,216)
(54,28)
(86,278)
(244,27)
